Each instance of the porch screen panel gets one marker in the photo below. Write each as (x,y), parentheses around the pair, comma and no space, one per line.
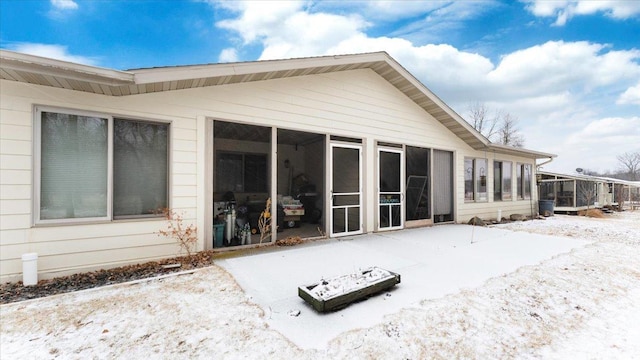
(229,172)
(547,191)
(442,182)
(347,170)
(417,183)
(586,193)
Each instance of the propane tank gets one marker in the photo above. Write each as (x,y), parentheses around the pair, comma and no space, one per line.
(233,223)
(230,225)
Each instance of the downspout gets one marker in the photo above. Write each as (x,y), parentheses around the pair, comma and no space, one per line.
(545,163)
(537,184)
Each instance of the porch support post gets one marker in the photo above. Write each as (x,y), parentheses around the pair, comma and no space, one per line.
(204,174)
(274,185)
(369,185)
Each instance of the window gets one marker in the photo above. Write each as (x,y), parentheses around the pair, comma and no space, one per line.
(502,180)
(140,167)
(74,155)
(239,172)
(523,177)
(497,181)
(78,153)
(475,179)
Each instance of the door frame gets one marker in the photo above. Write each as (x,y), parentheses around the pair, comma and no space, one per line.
(400,192)
(359,147)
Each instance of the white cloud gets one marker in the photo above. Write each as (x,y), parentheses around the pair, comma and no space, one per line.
(263,20)
(630,96)
(556,89)
(395,10)
(608,131)
(258,19)
(558,66)
(564,10)
(58,52)
(228,55)
(553,70)
(596,145)
(286,31)
(64,4)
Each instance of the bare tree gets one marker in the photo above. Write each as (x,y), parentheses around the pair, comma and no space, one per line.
(630,164)
(586,194)
(508,133)
(497,126)
(482,121)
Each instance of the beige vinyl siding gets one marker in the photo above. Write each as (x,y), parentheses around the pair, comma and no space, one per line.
(356,103)
(64,249)
(15,171)
(489,210)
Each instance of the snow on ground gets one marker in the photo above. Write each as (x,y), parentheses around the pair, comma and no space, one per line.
(581,304)
(432,263)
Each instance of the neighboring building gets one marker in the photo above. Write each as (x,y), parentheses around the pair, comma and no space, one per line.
(89,153)
(573,193)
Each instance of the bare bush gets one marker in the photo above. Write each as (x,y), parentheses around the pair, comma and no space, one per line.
(185,235)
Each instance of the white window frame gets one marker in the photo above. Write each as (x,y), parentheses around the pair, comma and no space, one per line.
(37,158)
(168,190)
(475,178)
(512,197)
(522,181)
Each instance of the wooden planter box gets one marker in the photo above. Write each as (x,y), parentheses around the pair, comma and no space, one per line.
(338,292)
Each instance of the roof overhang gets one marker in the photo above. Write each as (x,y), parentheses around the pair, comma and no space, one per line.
(591,178)
(56,73)
(62,74)
(516,151)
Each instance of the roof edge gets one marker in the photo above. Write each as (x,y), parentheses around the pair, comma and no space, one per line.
(182,72)
(13,61)
(591,177)
(511,150)
(46,66)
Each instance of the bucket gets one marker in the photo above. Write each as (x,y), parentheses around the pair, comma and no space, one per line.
(29,269)
(545,207)
(218,233)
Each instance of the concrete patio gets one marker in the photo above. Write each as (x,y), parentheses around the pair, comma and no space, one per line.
(432,261)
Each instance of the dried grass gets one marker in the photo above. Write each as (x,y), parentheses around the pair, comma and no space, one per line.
(594,213)
(290,241)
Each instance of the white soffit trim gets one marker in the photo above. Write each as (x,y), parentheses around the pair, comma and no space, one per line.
(188,72)
(510,150)
(10,60)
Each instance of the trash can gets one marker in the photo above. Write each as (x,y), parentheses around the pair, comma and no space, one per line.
(29,269)
(545,207)
(218,233)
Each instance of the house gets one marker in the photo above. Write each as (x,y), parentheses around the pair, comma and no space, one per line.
(573,193)
(343,145)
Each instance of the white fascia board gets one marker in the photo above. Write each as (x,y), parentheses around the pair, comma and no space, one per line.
(176,73)
(45,66)
(505,149)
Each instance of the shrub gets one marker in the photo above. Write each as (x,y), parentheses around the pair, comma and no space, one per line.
(185,235)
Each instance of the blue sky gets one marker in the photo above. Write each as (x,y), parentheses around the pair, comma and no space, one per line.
(569,70)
